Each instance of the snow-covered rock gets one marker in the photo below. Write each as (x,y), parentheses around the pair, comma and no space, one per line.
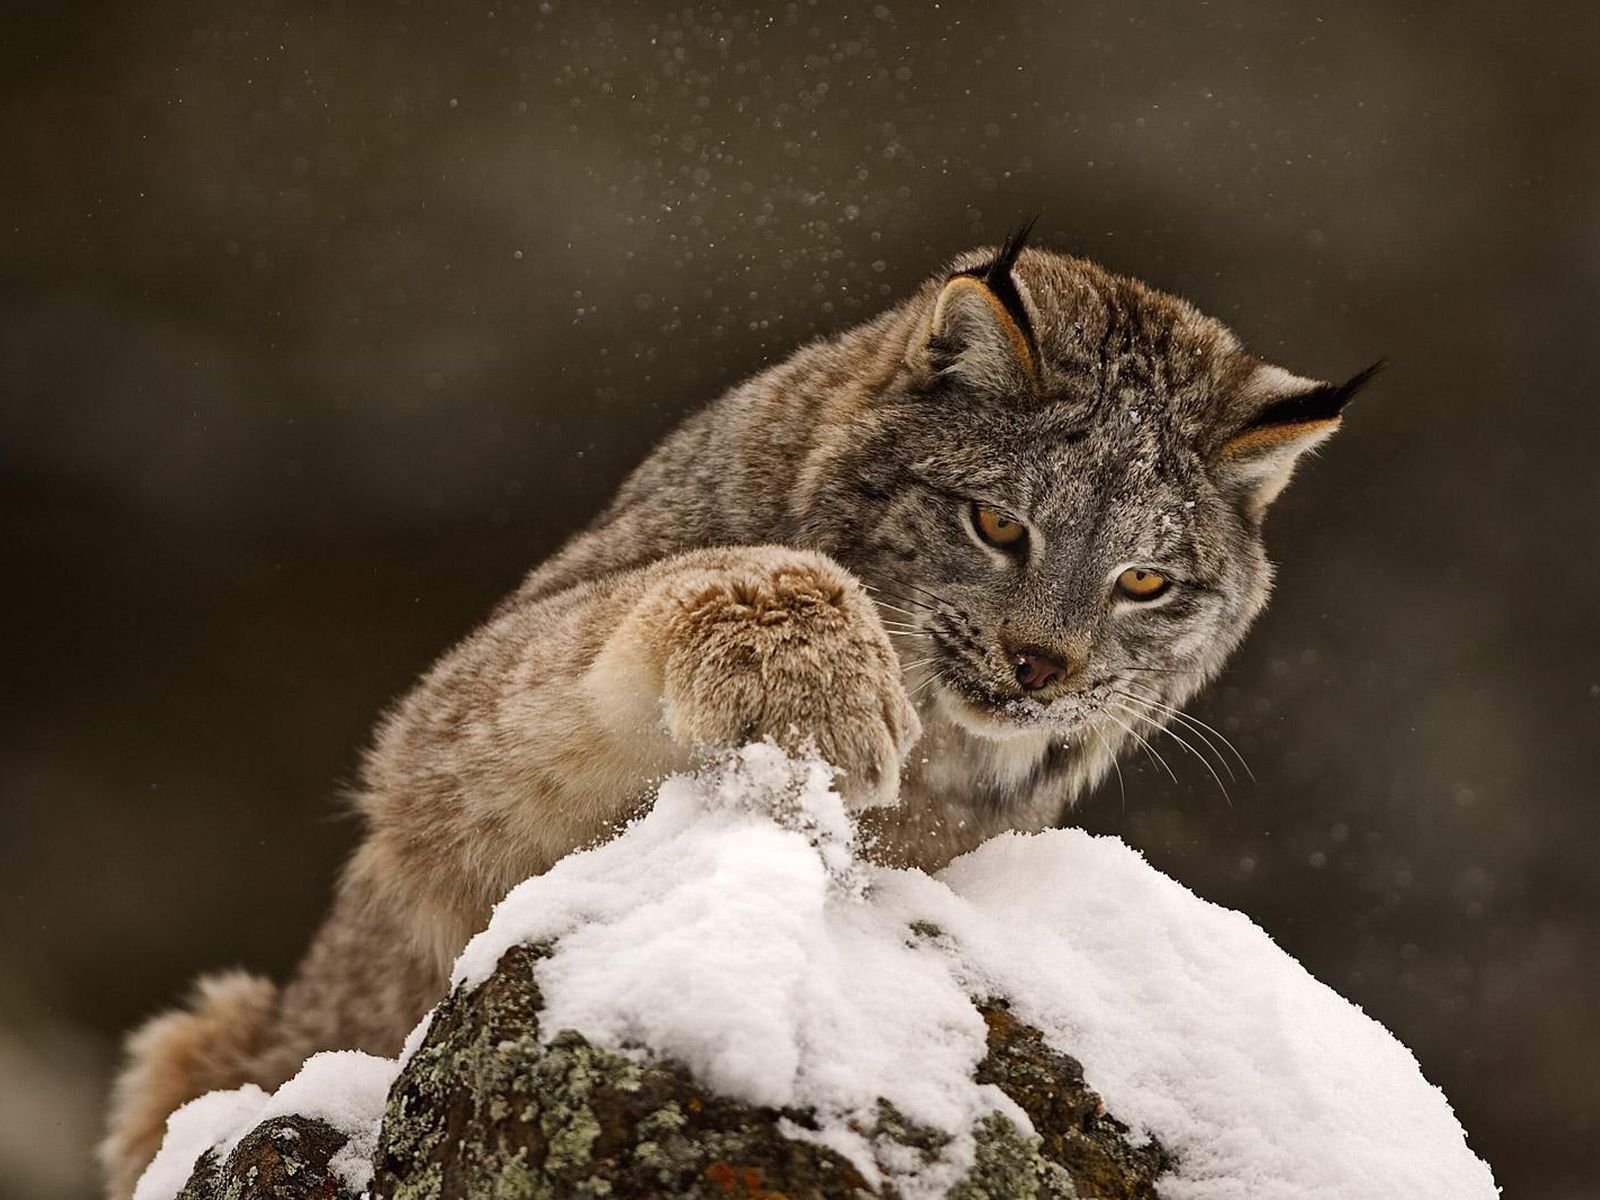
(335,1102)
(734,935)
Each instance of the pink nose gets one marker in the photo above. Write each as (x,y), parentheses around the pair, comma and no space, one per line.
(1037,670)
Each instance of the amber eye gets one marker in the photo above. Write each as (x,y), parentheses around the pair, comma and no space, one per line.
(1141,585)
(997,530)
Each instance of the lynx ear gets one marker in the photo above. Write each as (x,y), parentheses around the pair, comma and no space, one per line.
(1287,416)
(979,331)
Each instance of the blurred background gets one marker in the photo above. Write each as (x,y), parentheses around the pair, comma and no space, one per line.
(321,321)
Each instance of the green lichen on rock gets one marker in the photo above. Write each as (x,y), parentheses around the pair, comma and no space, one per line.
(487,1108)
(1075,1131)
(283,1158)
(1009,1166)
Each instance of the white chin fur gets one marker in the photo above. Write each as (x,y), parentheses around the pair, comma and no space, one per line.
(985,723)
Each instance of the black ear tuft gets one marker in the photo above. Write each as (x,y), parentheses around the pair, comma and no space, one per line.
(1323,403)
(998,273)
(996,276)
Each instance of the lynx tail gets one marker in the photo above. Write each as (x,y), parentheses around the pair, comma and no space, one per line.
(177,1056)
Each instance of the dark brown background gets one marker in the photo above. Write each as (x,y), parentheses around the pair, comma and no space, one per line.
(320,322)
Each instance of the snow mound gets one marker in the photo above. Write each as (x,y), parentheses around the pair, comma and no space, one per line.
(783,971)
(735,929)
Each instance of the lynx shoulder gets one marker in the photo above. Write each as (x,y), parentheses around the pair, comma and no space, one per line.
(1013,520)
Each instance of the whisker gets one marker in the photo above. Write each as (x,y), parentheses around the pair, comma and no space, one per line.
(880,590)
(933,678)
(1167,710)
(934,596)
(1148,748)
(896,608)
(1122,788)
(1202,729)
(921,662)
(1159,728)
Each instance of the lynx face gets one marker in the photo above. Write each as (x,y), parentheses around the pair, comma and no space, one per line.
(1059,496)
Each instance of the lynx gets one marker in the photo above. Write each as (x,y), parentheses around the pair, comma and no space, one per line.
(967,549)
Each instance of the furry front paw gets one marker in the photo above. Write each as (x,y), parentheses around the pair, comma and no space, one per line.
(785,644)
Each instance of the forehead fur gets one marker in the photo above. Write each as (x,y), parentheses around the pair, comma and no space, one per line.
(1100,333)
(1136,388)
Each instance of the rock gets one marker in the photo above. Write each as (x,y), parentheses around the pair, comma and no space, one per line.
(284,1158)
(485,1109)
(1074,1130)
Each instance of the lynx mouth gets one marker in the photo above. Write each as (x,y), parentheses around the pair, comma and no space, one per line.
(977,704)
(993,714)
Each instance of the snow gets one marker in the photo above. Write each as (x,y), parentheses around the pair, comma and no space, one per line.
(742,946)
(348,1090)
(735,928)
(1196,1028)
(345,1088)
(206,1121)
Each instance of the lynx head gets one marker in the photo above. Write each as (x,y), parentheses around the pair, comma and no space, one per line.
(1057,484)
